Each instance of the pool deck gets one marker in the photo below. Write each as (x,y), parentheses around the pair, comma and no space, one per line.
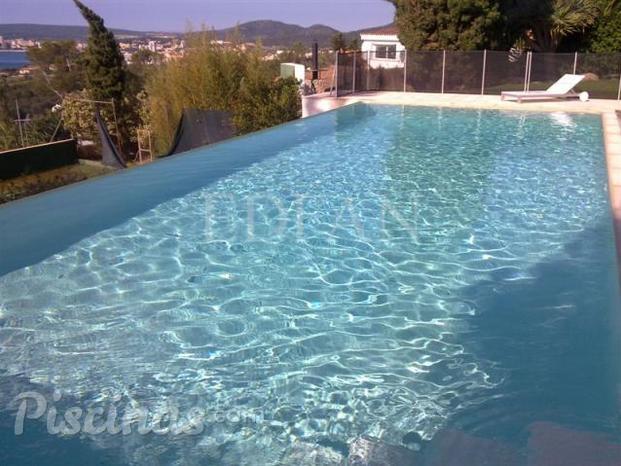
(611,122)
(493,102)
(323,102)
(612,140)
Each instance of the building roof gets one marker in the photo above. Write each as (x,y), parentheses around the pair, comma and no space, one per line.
(389,30)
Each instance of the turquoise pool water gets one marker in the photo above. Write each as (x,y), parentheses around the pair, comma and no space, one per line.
(441,280)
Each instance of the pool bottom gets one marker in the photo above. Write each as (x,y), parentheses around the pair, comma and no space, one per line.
(472,312)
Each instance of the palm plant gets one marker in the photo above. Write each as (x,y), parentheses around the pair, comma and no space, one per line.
(567,17)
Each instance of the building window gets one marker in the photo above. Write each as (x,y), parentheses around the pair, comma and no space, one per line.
(386,51)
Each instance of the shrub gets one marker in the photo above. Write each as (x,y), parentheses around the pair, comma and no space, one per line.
(211,76)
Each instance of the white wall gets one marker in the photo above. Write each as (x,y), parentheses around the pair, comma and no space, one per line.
(370,43)
(293,70)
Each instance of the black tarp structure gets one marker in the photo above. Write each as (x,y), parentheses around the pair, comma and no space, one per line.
(110,156)
(199,128)
(33,159)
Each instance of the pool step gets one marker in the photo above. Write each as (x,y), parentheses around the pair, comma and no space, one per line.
(456,448)
(554,445)
(366,451)
(548,444)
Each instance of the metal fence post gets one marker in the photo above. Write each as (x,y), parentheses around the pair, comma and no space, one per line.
(354,75)
(336,74)
(619,92)
(575,62)
(368,70)
(527,71)
(19,123)
(443,68)
(530,70)
(405,71)
(484,67)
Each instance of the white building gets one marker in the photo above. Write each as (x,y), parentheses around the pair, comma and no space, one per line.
(384,48)
(294,70)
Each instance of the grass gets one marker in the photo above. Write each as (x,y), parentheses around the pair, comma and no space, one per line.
(24,186)
(601,89)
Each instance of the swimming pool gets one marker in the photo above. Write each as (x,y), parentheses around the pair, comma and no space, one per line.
(441,280)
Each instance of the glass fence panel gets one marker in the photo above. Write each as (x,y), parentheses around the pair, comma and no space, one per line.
(345,77)
(504,71)
(383,70)
(424,72)
(464,72)
(547,68)
(602,74)
(362,72)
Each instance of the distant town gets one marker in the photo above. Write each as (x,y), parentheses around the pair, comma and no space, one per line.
(168,47)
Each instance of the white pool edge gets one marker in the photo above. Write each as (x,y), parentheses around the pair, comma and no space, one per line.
(320,103)
(612,143)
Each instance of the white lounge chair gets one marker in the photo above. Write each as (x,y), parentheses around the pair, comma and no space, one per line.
(561,89)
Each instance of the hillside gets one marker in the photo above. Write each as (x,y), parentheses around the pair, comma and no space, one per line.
(271,33)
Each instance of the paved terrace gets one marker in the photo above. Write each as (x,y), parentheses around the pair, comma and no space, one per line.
(323,102)
(606,108)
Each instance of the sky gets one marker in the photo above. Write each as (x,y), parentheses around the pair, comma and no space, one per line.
(176,15)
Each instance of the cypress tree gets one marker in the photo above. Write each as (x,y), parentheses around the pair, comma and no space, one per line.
(106,74)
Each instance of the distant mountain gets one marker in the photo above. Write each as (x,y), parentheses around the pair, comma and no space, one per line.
(51,32)
(271,33)
(274,33)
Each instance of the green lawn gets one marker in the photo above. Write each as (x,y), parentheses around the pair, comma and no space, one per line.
(601,89)
(28,185)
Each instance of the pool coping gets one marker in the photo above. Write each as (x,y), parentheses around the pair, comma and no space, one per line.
(612,141)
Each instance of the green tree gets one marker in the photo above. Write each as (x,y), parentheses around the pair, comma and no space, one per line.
(264,101)
(355,45)
(36,102)
(60,66)
(214,77)
(144,62)
(567,18)
(295,54)
(611,5)
(552,25)
(78,116)
(9,139)
(105,67)
(448,24)
(207,77)
(107,78)
(8,129)
(338,43)
(606,35)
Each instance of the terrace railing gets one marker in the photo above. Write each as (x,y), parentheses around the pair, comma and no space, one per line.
(476,72)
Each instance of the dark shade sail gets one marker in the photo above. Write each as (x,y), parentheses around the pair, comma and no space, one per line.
(110,156)
(199,128)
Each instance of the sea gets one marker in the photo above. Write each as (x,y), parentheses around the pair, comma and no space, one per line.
(11,60)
